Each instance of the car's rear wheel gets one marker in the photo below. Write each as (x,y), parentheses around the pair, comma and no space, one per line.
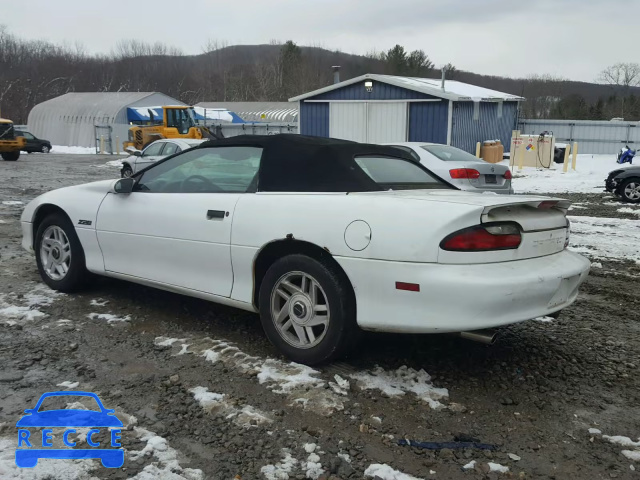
(307,310)
(630,190)
(59,254)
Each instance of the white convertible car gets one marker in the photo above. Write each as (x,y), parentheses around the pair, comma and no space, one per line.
(322,237)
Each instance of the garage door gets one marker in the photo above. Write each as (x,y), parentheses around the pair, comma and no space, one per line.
(368,121)
(348,121)
(387,122)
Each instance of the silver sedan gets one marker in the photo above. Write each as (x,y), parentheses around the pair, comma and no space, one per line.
(459,168)
(153,152)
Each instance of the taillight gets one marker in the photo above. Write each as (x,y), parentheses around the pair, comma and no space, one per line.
(464,173)
(492,236)
(507,175)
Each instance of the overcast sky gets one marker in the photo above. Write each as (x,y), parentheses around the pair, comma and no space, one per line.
(570,38)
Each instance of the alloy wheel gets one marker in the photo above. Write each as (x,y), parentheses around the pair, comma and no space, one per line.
(300,310)
(55,252)
(632,191)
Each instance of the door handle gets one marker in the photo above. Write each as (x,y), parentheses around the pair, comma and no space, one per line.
(216,214)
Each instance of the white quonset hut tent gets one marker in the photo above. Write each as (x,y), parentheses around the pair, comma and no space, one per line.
(70,119)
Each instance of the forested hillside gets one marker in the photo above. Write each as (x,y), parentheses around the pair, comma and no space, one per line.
(34,71)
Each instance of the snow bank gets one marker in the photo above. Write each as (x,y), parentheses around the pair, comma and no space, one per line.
(591,170)
(73,150)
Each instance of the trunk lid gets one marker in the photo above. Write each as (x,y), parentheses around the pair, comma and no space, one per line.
(543,223)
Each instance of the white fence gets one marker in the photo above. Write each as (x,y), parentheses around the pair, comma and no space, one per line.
(599,137)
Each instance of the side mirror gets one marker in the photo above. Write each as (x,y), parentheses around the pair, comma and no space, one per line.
(124,185)
(133,151)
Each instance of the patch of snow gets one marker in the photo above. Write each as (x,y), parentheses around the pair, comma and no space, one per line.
(110,318)
(514,457)
(167,342)
(40,295)
(345,457)
(309,447)
(496,467)
(385,472)
(165,459)
(98,302)
(601,237)
(216,403)
(340,386)
(12,202)
(591,170)
(633,455)
(623,441)
(544,319)
(301,384)
(595,431)
(44,470)
(399,382)
(313,467)
(68,384)
(629,210)
(469,466)
(287,377)
(596,265)
(282,469)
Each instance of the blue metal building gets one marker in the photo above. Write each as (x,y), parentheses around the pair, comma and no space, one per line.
(384,108)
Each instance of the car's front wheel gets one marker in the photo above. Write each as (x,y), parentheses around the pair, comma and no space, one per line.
(45,149)
(126,171)
(59,254)
(630,190)
(307,309)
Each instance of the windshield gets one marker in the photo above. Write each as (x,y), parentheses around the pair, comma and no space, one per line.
(450,154)
(397,174)
(181,118)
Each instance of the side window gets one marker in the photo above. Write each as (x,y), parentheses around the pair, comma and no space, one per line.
(27,135)
(153,150)
(170,149)
(205,170)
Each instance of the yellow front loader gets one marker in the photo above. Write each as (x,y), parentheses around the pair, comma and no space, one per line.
(177,122)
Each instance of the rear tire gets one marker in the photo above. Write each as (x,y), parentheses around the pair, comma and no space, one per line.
(59,254)
(317,322)
(630,190)
(10,156)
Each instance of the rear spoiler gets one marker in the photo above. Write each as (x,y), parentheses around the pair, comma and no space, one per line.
(502,212)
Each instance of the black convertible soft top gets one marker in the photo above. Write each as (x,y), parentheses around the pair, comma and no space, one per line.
(295,163)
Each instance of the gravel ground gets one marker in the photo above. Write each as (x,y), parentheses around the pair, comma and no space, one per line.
(533,395)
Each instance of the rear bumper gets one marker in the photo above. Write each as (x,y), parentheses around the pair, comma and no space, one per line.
(454,298)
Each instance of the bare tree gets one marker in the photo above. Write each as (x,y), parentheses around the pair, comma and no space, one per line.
(624,75)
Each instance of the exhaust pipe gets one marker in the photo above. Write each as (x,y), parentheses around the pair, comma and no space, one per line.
(487,336)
